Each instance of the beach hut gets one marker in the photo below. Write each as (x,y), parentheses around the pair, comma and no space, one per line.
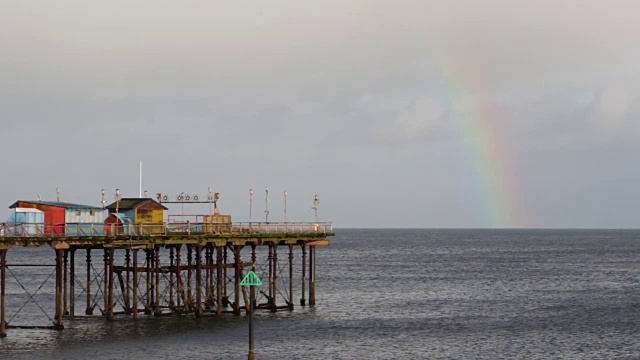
(61,218)
(146,214)
(26,222)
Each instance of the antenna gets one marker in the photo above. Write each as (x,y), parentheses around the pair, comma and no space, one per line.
(58,194)
(104,199)
(140,193)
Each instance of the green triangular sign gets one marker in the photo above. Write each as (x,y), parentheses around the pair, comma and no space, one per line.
(251,279)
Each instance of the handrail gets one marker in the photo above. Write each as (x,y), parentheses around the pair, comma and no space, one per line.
(10,230)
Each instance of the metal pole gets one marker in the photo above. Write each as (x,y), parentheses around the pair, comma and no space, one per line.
(266,204)
(3,279)
(250,205)
(252,355)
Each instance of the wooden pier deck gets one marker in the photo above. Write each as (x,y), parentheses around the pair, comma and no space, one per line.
(167,268)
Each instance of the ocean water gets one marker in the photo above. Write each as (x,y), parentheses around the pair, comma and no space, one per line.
(401,294)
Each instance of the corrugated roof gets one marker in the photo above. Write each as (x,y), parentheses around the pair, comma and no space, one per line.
(55,203)
(132,203)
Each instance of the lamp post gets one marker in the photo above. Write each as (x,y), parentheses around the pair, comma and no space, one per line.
(250,205)
(118,197)
(285,206)
(210,198)
(316,202)
(266,204)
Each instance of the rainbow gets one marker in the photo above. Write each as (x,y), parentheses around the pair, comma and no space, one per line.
(487,152)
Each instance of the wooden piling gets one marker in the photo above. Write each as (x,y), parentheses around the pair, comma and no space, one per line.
(135,283)
(59,301)
(3,280)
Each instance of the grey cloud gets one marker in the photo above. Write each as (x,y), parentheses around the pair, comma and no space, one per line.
(351,100)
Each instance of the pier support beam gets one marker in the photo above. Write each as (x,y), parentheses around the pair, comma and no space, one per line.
(72,284)
(303,302)
(147,303)
(219,279)
(65,279)
(189,296)
(236,290)
(274,301)
(3,280)
(172,303)
(290,277)
(105,285)
(157,311)
(178,280)
(89,310)
(225,295)
(135,283)
(127,303)
(59,301)
(312,275)
(110,302)
(270,261)
(207,277)
(198,281)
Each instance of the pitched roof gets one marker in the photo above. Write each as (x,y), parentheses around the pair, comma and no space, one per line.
(54,203)
(132,203)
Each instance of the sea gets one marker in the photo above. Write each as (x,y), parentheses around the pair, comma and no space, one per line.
(398,294)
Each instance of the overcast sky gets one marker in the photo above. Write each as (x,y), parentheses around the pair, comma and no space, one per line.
(496,113)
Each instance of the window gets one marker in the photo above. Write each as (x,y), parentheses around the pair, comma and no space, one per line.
(92,212)
(78,212)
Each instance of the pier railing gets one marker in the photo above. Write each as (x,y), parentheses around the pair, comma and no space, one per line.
(187,228)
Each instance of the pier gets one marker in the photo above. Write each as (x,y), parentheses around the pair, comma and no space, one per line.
(123,267)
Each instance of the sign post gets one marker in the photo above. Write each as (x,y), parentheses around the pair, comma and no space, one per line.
(252,280)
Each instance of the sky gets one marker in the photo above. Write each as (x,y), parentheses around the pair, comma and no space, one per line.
(425,114)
